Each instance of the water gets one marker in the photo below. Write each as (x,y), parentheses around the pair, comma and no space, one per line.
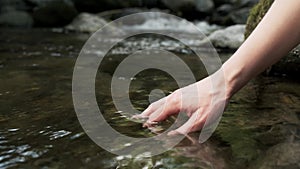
(39,128)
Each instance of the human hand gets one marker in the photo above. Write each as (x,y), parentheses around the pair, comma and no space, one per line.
(203,102)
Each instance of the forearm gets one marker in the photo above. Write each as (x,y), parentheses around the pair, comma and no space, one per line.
(274,37)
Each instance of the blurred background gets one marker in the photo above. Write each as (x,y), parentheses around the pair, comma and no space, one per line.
(40,41)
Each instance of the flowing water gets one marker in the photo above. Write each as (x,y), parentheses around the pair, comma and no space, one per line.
(39,127)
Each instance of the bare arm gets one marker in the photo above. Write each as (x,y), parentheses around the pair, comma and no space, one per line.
(275,36)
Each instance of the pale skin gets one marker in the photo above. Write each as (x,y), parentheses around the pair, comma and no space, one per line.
(274,37)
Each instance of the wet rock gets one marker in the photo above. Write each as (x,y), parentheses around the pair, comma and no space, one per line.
(86,22)
(95,6)
(288,65)
(256,14)
(54,13)
(225,9)
(206,28)
(18,5)
(205,5)
(184,8)
(281,156)
(89,23)
(239,16)
(13,18)
(231,37)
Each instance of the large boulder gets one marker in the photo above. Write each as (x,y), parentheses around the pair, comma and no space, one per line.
(288,65)
(231,37)
(54,13)
(13,18)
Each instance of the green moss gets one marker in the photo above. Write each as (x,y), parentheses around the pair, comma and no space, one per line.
(256,15)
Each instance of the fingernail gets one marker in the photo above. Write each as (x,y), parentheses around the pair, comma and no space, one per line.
(152,122)
(173,133)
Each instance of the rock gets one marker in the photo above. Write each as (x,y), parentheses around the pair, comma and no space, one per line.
(225,9)
(54,13)
(179,5)
(86,22)
(281,156)
(231,37)
(256,14)
(15,18)
(95,6)
(205,5)
(239,16)
(247,3)
(89,23)
(288,65)
(207,29)
(18,5)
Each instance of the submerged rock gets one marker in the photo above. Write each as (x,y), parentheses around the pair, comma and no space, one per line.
(231,37)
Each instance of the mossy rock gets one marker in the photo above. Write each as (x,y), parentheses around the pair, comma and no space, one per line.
(256,15)
(288,65)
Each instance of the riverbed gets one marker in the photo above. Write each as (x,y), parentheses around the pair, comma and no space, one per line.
(39,127)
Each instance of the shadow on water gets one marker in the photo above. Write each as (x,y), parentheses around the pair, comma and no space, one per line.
(39,128)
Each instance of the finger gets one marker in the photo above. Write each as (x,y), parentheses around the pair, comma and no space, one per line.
(166,110)
(150,109)
(194,123)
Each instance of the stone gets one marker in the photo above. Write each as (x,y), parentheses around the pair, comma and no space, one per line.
(16,19)
(231,37)
(87,23)
(239,16)
(90,23)
(54,13)
(205,5)
(18,5)
(181,6)
(206,28)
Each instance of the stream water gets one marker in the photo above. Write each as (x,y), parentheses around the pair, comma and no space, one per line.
(39,127)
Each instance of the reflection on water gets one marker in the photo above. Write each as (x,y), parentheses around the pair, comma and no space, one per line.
(39,128)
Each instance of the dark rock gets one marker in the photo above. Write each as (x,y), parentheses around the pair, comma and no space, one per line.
(205,5)
(95,6)
(19,5)
(181,5)
(247,3)
(225,9)
(54,13)
(288,65)
(239,16)
(13,18)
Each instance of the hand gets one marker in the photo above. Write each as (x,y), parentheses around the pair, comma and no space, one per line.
(201,101)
